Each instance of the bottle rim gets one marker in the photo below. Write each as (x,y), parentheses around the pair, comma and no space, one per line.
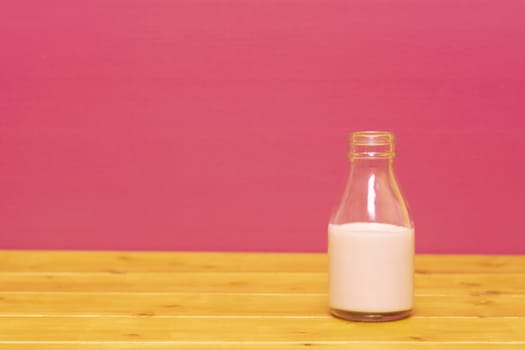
(371,144)
(372,137)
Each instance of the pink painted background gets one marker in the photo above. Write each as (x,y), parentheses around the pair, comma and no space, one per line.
(221,125)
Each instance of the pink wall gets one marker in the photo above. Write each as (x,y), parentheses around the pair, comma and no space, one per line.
(221,125)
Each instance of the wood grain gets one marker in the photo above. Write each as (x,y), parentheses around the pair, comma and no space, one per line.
(76,261)
(123,300)
(168,345)
(271,329)
(182,305)
(244,282)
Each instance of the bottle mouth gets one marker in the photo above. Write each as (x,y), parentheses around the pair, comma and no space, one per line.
(371,144)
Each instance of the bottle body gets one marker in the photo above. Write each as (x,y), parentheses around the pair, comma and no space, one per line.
(371,238)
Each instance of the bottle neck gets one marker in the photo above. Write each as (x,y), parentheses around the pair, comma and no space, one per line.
(373,163)
(372,193)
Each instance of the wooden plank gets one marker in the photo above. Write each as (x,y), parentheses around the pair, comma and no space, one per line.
(470,264)
(87,261)
(164,282)
(234,282)
(167,345)
(471,284)
(182,305)
(277,329)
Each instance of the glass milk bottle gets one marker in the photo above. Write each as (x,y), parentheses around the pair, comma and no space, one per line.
(371,237)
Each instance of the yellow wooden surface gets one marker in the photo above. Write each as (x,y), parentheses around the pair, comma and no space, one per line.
(123,300)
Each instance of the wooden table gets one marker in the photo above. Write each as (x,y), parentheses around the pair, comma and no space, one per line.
(121,300)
